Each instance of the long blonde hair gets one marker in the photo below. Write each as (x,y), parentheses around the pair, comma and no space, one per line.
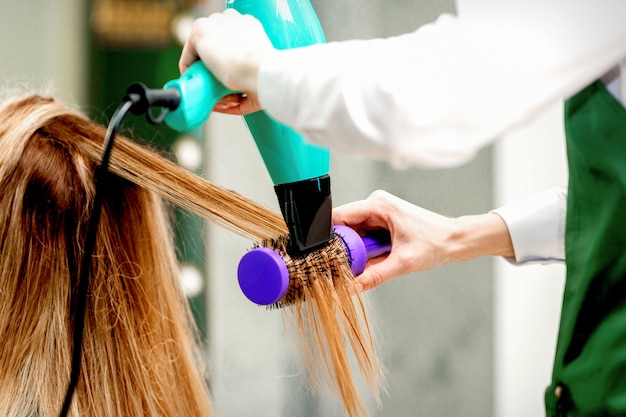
(140,350)
(140,356)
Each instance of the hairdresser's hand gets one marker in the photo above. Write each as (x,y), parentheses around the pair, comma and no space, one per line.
(421,239)
(232,46)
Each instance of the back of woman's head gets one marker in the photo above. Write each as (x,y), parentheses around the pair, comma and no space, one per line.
(139,356)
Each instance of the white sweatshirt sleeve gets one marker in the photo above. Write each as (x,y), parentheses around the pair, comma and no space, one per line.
(434,97)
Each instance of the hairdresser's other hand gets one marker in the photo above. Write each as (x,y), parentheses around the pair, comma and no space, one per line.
(421,239)
(232,46)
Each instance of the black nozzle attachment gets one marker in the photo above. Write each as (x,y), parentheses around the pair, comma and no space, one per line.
(307,209)
(144,99)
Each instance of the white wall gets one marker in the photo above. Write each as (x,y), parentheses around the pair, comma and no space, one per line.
(248,352)
(43,46)
(527,299)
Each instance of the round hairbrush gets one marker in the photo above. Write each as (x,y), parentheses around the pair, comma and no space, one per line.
(263,273)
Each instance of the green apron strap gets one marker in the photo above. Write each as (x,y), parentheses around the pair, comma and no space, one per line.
(589,377)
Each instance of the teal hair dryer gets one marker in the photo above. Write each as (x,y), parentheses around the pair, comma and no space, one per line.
(299,170)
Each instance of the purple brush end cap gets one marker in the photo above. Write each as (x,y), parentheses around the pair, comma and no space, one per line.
(355,247)
(263,276)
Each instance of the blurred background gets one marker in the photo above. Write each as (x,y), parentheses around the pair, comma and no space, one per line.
(473,339)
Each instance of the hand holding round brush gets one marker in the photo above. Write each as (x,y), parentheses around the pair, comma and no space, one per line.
(420,239)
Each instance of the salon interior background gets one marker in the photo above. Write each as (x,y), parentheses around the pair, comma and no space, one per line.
(474,339)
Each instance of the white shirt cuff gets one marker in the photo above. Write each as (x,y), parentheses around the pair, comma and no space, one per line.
(537,226)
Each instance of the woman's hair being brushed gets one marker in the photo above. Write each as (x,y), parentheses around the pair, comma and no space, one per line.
(140,352)
(140,355)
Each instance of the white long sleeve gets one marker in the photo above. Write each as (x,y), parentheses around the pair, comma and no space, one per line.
(537,226)
(434,97)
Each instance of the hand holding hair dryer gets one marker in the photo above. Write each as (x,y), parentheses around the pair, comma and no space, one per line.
(299,170)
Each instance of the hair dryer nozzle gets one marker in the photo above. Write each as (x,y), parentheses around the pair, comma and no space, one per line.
(307,209)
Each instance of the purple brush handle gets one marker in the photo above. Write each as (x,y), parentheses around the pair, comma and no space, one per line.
(360,249)
(264,278)
(375,247)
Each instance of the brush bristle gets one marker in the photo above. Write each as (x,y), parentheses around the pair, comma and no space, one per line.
(314,263)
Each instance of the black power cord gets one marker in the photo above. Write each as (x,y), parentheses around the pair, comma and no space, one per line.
(138,100)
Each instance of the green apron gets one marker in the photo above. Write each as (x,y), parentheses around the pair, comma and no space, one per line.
(589,377)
